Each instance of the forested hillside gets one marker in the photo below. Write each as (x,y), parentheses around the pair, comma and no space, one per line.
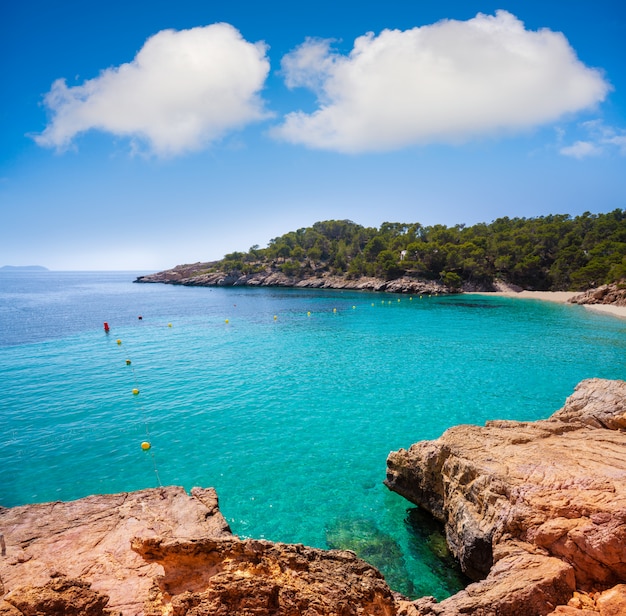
(554,252)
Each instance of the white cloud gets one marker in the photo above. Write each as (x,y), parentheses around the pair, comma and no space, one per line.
(600,139)
(183,90)
(619,141)
(581,149)
(446,82)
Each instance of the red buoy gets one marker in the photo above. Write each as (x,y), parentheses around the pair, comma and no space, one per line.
(106,326)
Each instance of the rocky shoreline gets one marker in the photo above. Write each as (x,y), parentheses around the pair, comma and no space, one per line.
(614,294)
(534,511)
(198,275)
(189,276)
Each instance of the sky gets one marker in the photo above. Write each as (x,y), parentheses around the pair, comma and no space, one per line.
(142,135)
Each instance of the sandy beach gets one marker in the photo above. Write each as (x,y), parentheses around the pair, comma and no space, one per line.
(616,311)
(561,297)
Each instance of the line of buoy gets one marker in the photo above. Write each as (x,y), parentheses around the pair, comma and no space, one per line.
(146,445)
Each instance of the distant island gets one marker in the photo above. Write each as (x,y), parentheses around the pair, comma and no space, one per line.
(24,268)
(549,253)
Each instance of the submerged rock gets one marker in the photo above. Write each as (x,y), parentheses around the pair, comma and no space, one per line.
(364,538)
(532,510)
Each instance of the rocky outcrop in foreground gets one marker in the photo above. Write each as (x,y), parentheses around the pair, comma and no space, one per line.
(163,552)
(536,511)
(614,294)
(193,276)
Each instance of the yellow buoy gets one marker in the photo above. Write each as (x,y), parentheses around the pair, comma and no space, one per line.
(334,309)
(145,445)
(372,304)
(353,307)
(119,341)
(410,299)
(275,317)
(169,325)
(128,362)
(398,300)
(135,392)
(308,314)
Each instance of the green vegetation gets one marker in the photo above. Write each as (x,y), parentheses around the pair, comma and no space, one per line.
(554,252)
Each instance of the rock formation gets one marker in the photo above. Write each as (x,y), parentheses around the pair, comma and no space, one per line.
(533,511)
(163,552)
(84,545)
(229,577)
(614,293)
(199,275)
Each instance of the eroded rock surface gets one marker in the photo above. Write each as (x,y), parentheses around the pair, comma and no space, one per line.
(163,552)
(86,543)
(199,275)
(534,510)
(232,577)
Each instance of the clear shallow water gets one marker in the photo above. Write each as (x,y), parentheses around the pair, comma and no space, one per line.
(290,419)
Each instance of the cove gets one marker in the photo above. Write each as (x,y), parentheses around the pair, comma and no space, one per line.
(290,419)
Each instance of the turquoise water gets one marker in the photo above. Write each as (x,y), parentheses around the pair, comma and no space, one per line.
(289,418)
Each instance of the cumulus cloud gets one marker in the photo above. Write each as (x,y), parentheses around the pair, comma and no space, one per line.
(442,83)
(183,90)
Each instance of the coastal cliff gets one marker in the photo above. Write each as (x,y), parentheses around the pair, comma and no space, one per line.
(534,511)
(203,275)
(195,276)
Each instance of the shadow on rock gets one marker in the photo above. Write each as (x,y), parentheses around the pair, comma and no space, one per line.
(427,543)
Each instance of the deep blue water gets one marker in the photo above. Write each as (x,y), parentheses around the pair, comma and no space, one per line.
(286,401)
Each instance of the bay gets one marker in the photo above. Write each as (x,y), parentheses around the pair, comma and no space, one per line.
(286,401)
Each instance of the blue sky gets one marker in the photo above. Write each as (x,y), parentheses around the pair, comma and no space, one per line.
(141,135)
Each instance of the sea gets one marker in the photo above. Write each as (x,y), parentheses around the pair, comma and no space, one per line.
(286,401)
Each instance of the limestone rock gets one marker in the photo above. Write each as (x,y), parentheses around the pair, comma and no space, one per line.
(89,540)
(553,489)
(163,552)
(198,275)
(232,577)
(614,293)
(59,597)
